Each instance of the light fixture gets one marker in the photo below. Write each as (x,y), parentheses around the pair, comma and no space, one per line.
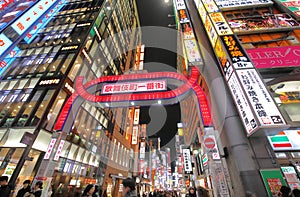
(166,1)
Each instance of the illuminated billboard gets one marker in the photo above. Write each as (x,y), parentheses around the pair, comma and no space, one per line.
(285,140)
(142,86)
(275,57)
(292,5)
(262,23)
(236,4)
(32,15)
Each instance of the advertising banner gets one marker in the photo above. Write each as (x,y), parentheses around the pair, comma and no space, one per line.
(220,52)
(192,50)
(32,15)
(187,161)
(236,52)
(273,180)
(275,57)
(262,23)
(210,6)
(235,4)
(143,86)
(292,5)
(288,140)
(261,101)
(242,104)
(291,176)
(220,23)
(5,43)
(211,32)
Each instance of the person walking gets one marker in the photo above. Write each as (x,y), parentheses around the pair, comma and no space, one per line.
(37,189)
(88,191)
(24,189)
(129,188)
(191,193)
(5,189)
(96,192)
(296,192)
(285,191)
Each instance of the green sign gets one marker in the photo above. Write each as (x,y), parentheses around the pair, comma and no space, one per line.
(273,180)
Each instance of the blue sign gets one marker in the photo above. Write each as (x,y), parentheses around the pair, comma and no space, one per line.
(32,15)
(5,43)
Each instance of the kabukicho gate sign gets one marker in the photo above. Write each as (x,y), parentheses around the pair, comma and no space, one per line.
(129,90)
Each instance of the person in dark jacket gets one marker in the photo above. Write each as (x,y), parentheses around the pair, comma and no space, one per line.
(88,191)
(38,189)
(26,188)
(5,189)
(129,188)
(192,192)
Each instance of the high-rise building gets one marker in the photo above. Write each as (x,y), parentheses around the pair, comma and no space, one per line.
(45,45)
(249,50)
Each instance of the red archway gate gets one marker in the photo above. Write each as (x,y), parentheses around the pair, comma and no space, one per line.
(87,92)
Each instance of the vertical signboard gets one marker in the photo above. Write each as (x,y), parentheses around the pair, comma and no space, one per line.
(273,180)
(275,57)
(187,161)
(220,23)
(5,43)
(226,65)
(135,132)
(136,116)
(291,176)
(242,104)
(236,53)
(263,105)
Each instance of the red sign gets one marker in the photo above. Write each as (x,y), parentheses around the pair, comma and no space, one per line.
(275,57)
(209,143)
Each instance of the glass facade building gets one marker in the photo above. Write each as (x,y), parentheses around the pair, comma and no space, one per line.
(39,65)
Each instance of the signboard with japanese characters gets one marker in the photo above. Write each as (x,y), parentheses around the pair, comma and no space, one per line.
(220,23)
(226,65)
(180,4)
(202,11)
(261,101)
(210,6)
(135,132)
(236,53)
(211,32)
(235,4)
(5,43)
(275,56)
(192,50)
(242,104)
(292,5)
(187,161)
(32,15)
(142,86)
(183,16)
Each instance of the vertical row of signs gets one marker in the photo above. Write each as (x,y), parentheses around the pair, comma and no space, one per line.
(135,127)
(189,41)
(254,102)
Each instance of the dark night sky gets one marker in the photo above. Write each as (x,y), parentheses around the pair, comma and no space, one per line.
(161,120)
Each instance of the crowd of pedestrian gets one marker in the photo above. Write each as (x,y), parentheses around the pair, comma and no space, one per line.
(128,190)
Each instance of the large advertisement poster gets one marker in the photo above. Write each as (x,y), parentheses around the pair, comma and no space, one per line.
(242,104)
(273,180)
(275,57)
(292,5)
(262,103)
(262,23)
(235,4)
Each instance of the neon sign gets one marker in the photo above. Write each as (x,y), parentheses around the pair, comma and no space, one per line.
(32,15)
